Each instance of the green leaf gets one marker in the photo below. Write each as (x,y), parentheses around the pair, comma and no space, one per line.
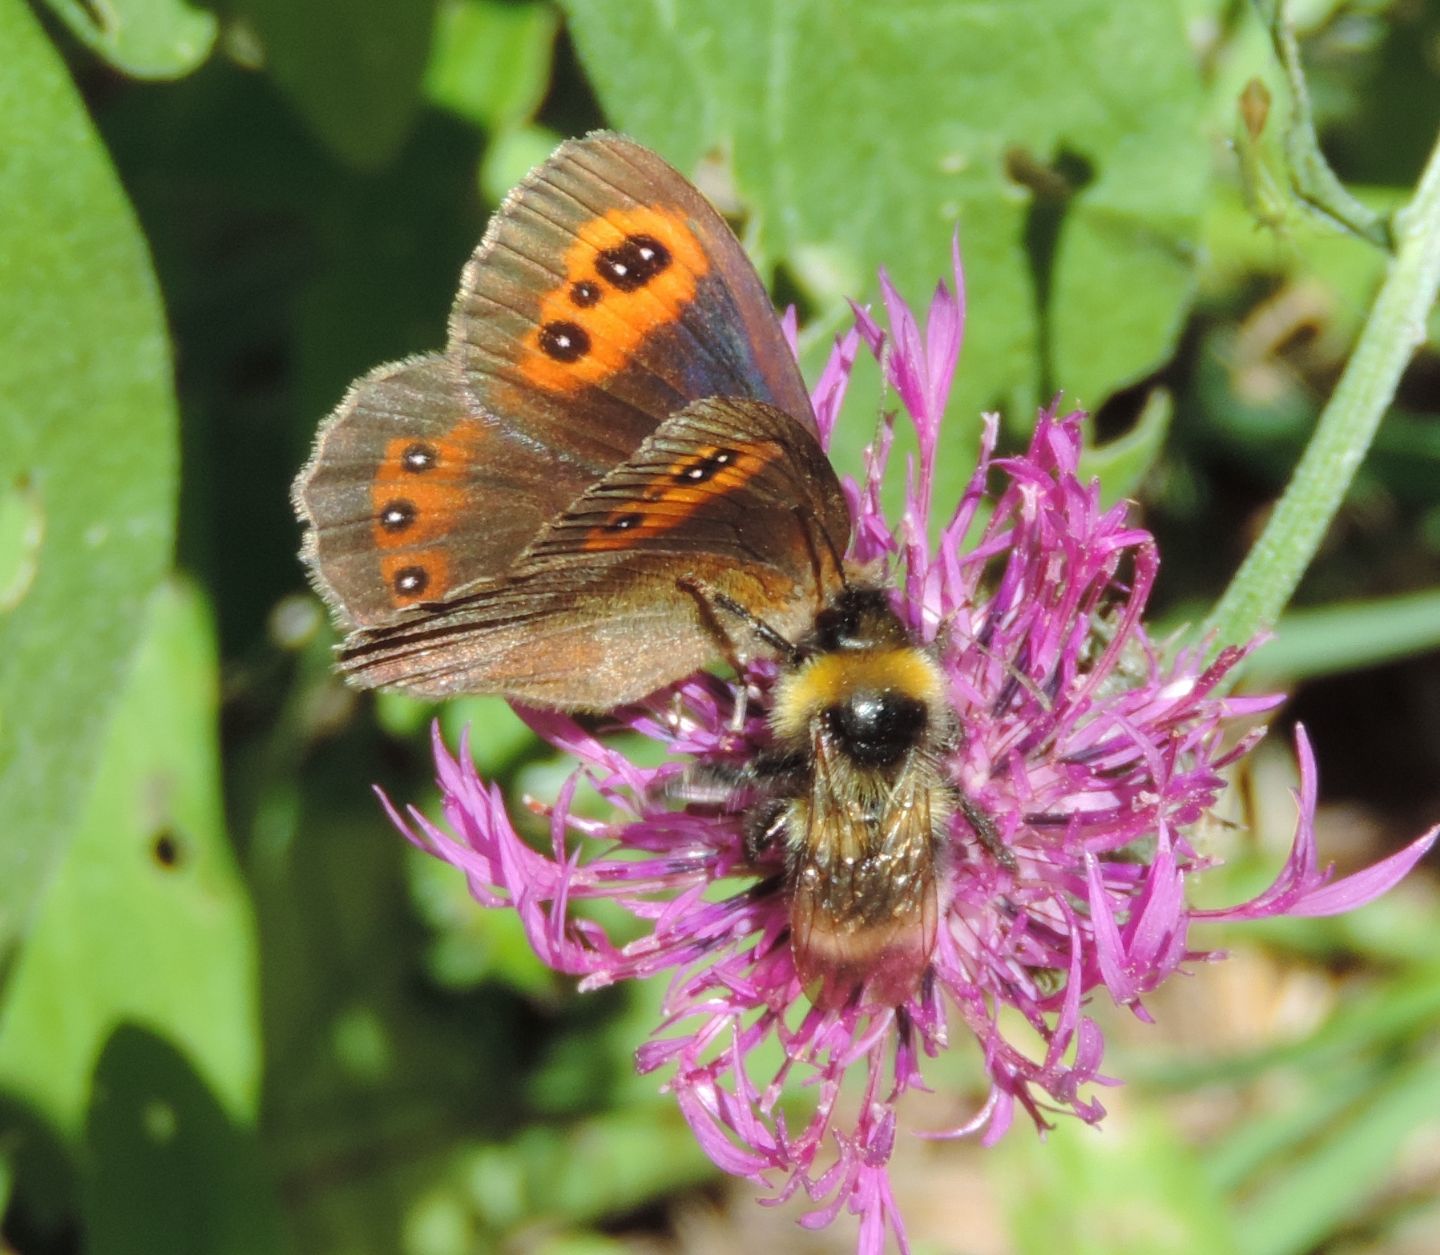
(87,452)
(609,1164)
(1337,638)
(491,60)
(352,68)
(171,1168)
(1123,463)
(144,38)
(146,921)
(510,156)
(1064,140)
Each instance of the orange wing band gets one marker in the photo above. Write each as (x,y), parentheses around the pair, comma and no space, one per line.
(628,273)
(679,492)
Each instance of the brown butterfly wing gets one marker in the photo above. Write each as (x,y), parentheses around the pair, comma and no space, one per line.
(402,497)
(604,247)
(599,610)
(607,295)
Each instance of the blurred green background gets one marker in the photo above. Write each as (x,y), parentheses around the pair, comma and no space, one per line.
(238,1013)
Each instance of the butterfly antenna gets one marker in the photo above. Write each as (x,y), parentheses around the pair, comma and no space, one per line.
(837,558)
(817,566)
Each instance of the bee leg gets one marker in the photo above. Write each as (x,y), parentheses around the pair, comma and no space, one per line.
(733,786)
(705,784)
(742,705)
(765,828)
(984,828)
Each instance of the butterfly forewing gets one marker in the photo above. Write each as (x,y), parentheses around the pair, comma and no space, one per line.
(608,294)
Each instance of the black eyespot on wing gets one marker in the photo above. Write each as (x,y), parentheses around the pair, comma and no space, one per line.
(411,581)
(584,294)
(418,457)
(397,515)
(706,468)
(632,263)
(564,341)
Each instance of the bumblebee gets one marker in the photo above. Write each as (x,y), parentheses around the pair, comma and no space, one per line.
(856,793)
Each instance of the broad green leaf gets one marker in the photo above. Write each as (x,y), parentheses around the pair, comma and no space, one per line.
(87,452)
(1338,638)
(352,68)
(366,1063)
(491,60)
(510,156)
(1064,141)
(145,38)
(170,1169)
(146,921)
(609,1164)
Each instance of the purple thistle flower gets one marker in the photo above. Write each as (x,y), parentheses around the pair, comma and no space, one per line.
(1094,753)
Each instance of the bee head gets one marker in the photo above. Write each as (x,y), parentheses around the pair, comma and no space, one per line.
(857,619)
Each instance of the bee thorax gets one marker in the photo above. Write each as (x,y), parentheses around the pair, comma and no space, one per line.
(877,729)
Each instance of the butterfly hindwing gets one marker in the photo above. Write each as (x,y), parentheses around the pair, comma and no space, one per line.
(616,431)
(727,497)
(400,494)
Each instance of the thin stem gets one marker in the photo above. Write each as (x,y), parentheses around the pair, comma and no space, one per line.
(1311,177)
(1392,333)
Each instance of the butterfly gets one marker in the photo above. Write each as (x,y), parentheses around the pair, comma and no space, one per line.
(612,474)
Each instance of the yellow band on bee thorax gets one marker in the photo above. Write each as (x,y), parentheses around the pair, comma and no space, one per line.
(830,679)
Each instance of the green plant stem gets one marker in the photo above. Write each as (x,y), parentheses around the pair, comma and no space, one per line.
(1392,333)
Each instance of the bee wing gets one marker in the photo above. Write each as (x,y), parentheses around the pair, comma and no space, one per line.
(864,902)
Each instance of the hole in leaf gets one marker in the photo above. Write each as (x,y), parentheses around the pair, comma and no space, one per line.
(166,849)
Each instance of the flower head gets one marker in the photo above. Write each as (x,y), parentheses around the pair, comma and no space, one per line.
(1092,753)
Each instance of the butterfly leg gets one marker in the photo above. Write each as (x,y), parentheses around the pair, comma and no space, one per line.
(711,599)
